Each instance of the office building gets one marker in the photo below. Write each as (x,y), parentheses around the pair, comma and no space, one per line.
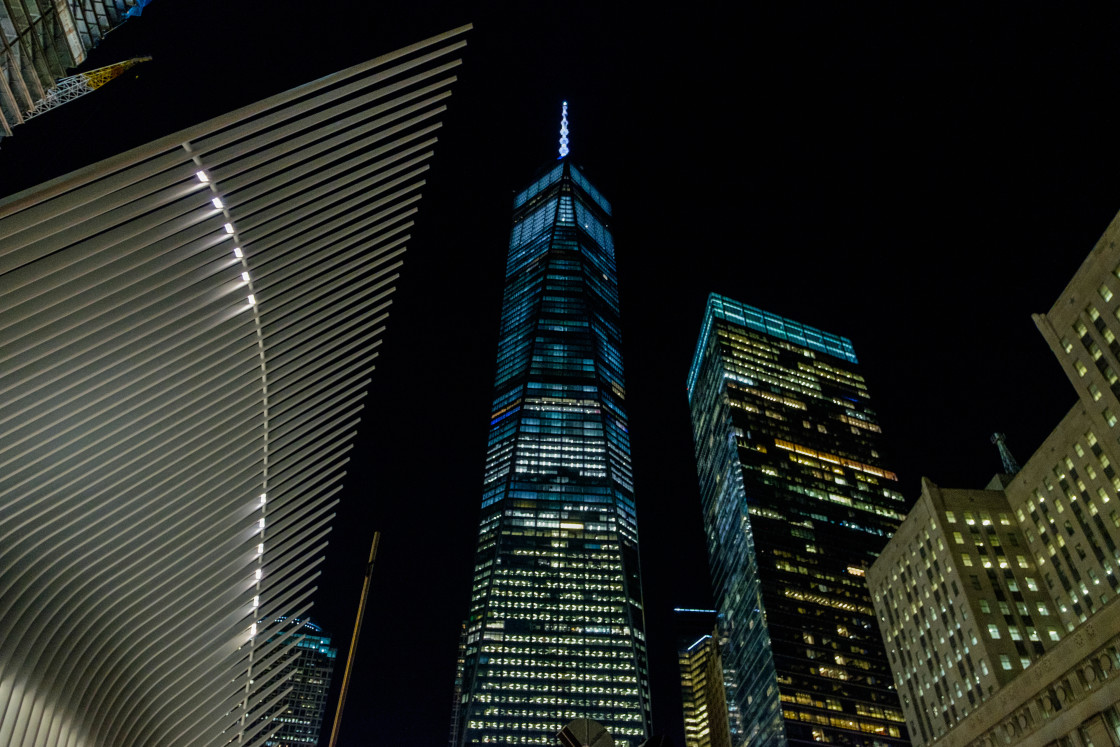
(304,672)
(797,503)
(960,605)
(187,332)
(1031,656)
(703,696)
(556,626)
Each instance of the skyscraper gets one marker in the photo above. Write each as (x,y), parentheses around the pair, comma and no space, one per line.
(796,506)
(304,672)
(556,626)
(187,332)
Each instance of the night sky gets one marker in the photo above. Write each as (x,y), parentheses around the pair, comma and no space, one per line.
(918,179)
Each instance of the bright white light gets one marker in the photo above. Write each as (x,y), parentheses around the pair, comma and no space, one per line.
(218,203)
(264,497)
(564,131)
(237,252)
(252,300)
(202,176)
(253,629)
(245,277)
(229,228)
(261,523)
(259,574)
(256,601)
(260,549)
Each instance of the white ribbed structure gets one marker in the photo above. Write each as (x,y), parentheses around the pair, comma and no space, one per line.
(186,332)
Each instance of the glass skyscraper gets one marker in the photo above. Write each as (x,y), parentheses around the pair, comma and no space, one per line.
(797,505)
(308,659)
(556,626)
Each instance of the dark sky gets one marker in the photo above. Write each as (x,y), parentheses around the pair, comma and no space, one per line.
(918,179)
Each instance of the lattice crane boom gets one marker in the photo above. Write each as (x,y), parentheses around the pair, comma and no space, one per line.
(69,88)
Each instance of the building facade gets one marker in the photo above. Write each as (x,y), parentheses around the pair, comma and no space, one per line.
(703,695)
(960,605)
(304,672)
(1059,683)
(187,331)
(797,504)
(556,627)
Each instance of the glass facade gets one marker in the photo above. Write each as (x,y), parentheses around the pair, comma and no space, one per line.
(556,627)
(796,506)
(309,663)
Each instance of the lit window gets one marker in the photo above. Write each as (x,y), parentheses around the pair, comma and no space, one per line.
(1106,294)
(1005,661)
(993,631)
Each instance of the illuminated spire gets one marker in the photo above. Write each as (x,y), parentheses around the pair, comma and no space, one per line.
(564,131)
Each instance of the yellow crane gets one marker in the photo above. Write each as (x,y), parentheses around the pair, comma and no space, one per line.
(69,88)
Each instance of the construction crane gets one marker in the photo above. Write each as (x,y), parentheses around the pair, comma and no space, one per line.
(69,88)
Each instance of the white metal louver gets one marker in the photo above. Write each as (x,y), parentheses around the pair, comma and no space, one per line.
(186,335)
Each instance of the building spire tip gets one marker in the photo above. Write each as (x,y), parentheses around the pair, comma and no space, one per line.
(564,130)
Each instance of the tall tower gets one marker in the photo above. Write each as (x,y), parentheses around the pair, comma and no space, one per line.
(556,627)
(796,506)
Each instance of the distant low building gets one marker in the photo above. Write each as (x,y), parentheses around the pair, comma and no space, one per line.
(1031,656)
(703,697)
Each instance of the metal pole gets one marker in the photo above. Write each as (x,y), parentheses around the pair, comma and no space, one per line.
(354,641)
